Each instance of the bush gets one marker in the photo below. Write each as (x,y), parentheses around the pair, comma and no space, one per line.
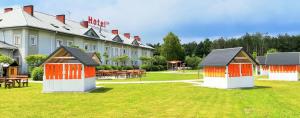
(107,67)
(159,60)
(114,67)
(100,67)
(136,67)
(127,68)
(161,67)
(5,59)
(37,73)
(146,67)
(34,60)
(154,68)
(193,61)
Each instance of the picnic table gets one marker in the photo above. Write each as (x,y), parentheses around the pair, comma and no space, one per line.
(14,80)
(11,81)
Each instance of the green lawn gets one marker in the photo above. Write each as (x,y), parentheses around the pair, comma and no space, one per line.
(159,76)
(267,99)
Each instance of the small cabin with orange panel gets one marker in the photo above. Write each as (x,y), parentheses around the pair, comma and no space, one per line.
(262,68)
(69,70)
(228,68)
(284,66)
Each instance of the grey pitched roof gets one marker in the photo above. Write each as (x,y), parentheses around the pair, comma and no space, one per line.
(283,58)
(91,54)
(222,57)
(81,56)
(261,60)
(4,45)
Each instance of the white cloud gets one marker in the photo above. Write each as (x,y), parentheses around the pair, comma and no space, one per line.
(157,17)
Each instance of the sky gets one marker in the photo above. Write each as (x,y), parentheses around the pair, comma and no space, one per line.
(190,20)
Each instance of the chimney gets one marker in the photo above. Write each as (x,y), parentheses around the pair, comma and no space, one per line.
(84,24)
(7,10)
(61,18)
(127,35)
(137,38)
(28,9)
(115,32)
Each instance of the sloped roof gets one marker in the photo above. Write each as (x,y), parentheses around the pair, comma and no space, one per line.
(91,54)
(79,55)
(4,45)
(261,60)
(283,58)
(83,57)
(18,17)
(222,57)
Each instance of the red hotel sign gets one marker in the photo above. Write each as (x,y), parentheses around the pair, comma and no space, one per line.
(97,22)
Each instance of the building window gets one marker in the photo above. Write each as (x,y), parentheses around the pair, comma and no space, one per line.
(33,40)
(94,47)
(17,39)
(58,43)
(70,43)
(86,46)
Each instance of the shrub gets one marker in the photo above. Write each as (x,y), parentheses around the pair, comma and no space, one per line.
(34,60)
(107,67)
(100,67)
(146,67)
(136,67)
(154,68)
(193,61)
(5,59)
(161,67)
(37,73)
(114,67)
(129,68)
(159,60)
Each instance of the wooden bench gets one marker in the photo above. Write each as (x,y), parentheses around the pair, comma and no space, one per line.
(24,79)
(7,82)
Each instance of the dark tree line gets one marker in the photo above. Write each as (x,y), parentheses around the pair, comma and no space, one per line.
(258,43)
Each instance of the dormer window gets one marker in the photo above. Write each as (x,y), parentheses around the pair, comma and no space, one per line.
(66,28)
(55,26)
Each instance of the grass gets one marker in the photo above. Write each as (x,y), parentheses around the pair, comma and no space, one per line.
(158,76)
(267,99)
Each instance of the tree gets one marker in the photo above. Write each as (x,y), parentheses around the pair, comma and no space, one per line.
(157,48)
(207,46)
(272,50)
(190,48)
(171,48)
(254,55)
(121,59)
(193,61)
(159,60)
(5,59)
(105,55)
(35,60)
(146,60)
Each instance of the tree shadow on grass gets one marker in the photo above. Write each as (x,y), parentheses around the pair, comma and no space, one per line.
(257,87)
(101,90)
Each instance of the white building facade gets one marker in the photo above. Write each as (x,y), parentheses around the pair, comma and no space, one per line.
(34,32)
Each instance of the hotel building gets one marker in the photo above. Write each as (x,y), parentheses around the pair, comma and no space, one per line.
(24,31)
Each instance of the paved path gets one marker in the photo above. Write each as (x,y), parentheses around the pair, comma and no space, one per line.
(147,82)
